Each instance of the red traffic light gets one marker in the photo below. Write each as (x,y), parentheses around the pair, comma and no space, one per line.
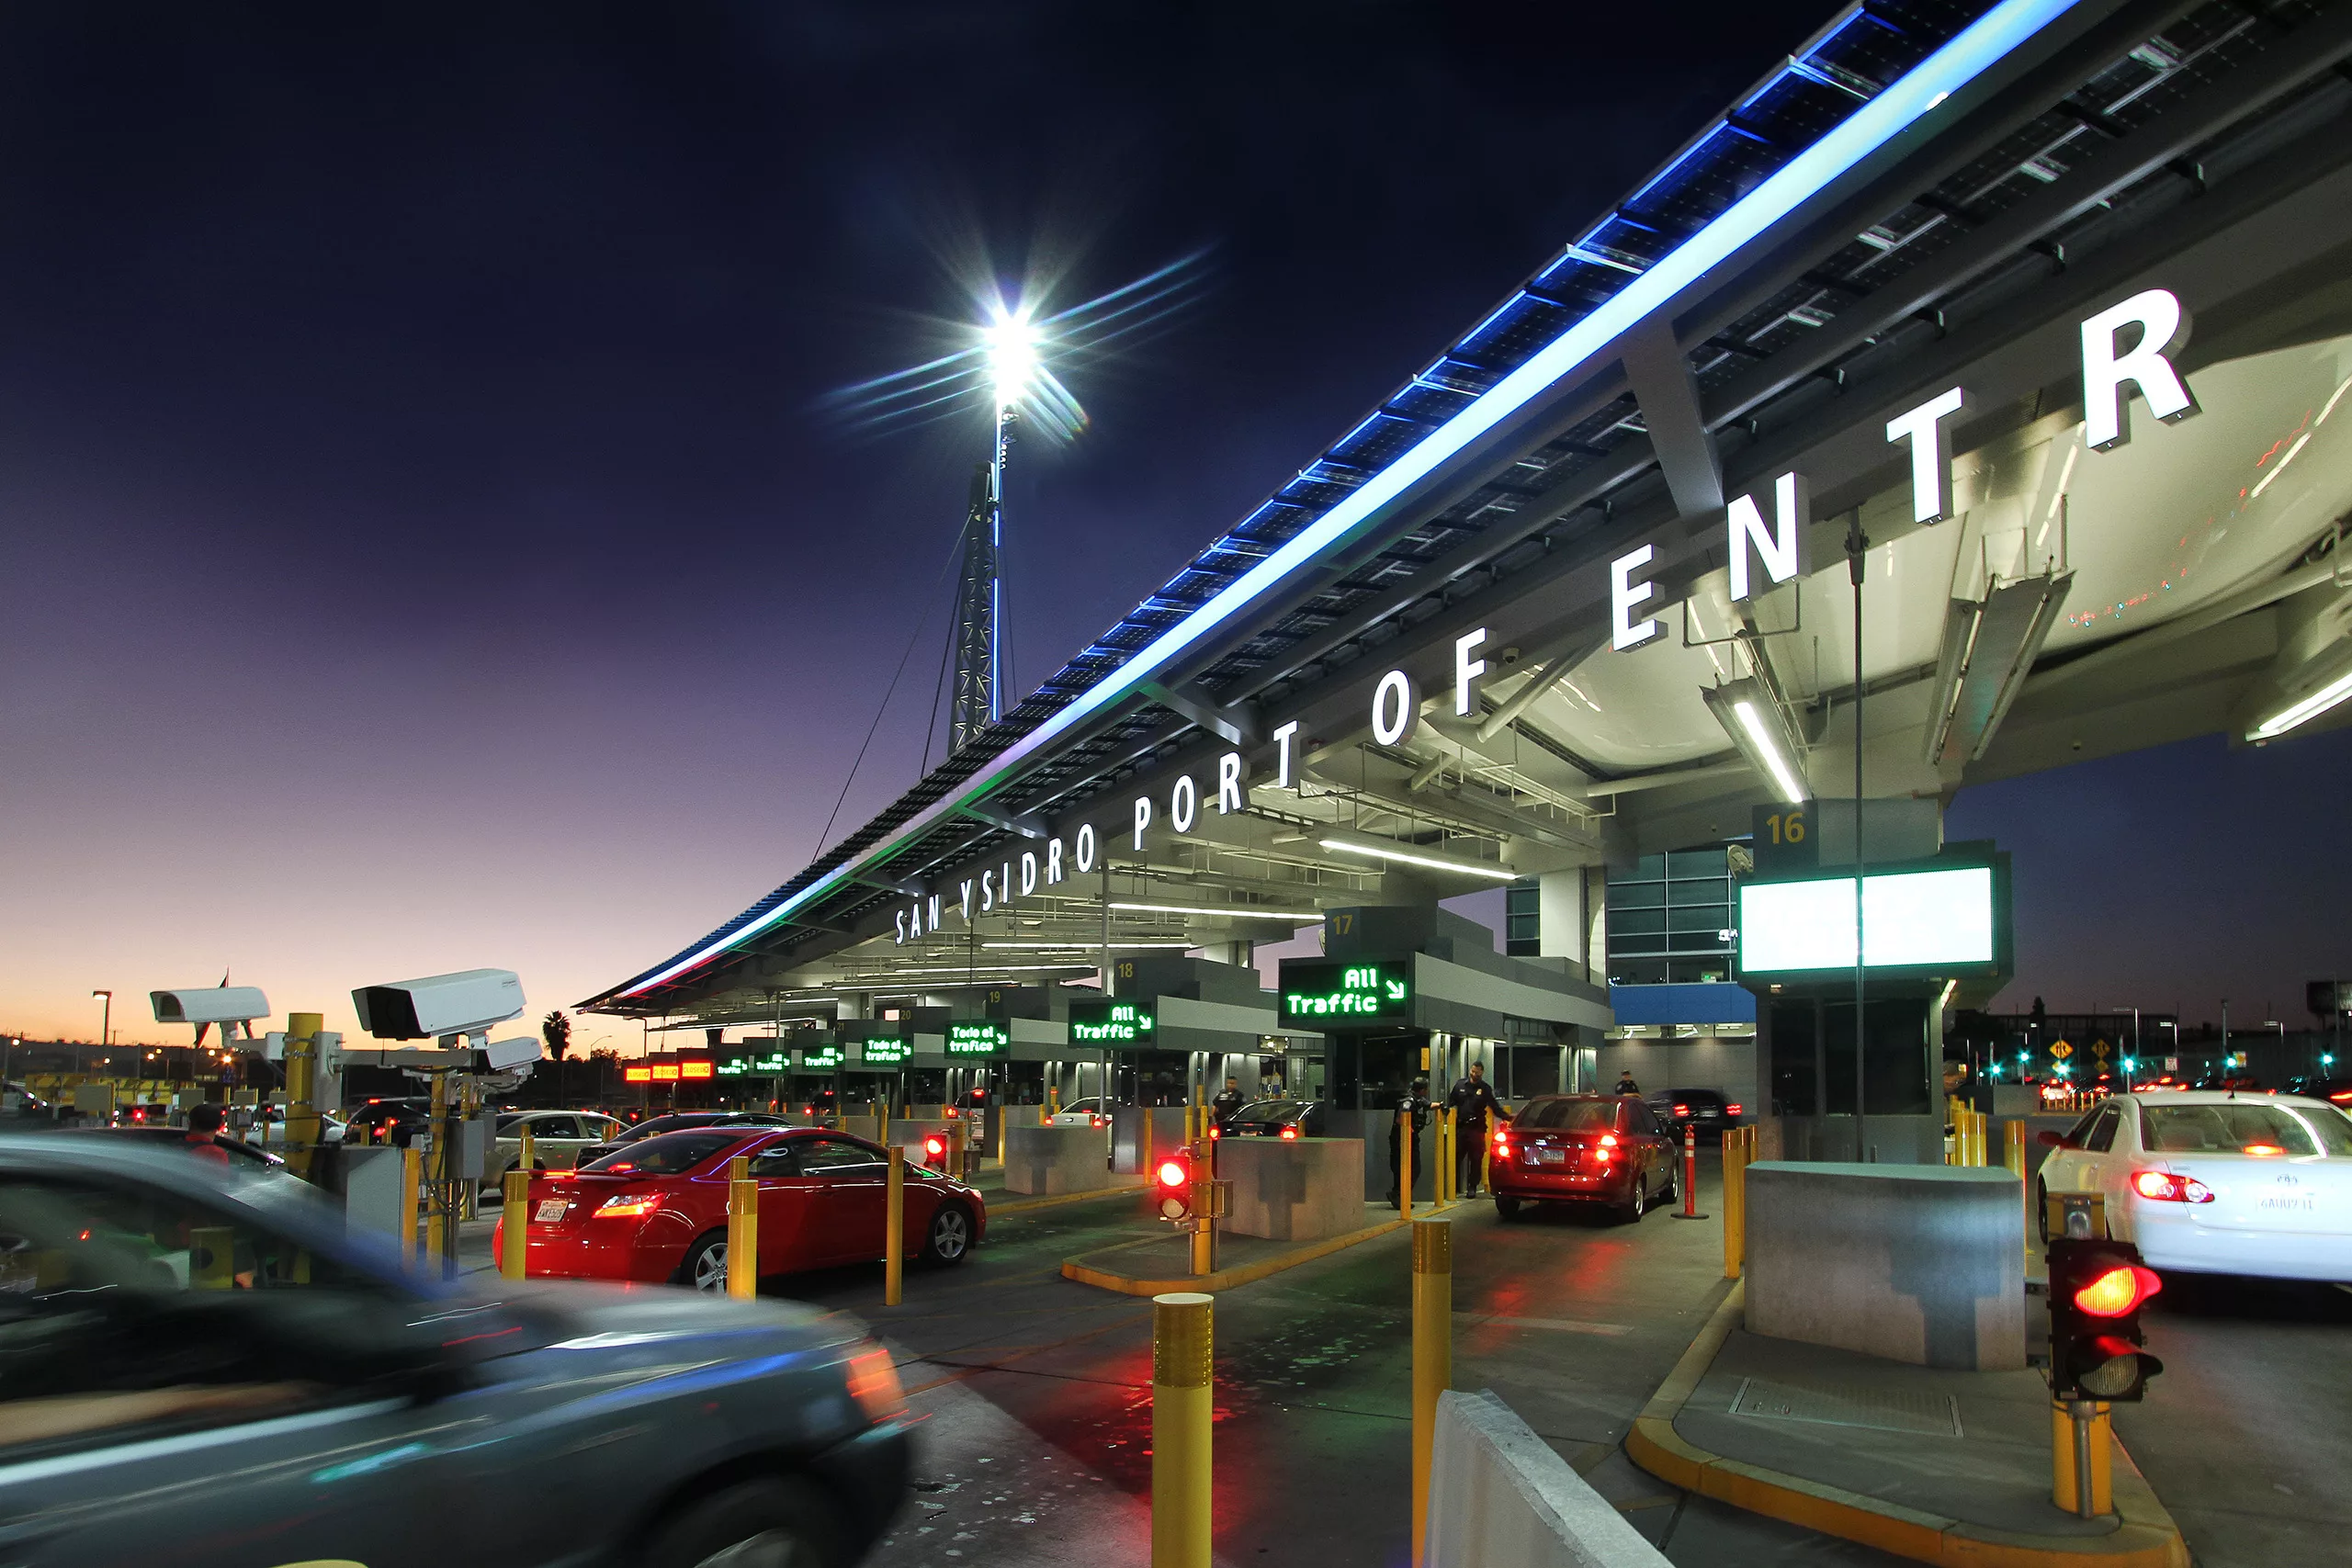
(1173,1180)
(2118,1291)
(935,1147)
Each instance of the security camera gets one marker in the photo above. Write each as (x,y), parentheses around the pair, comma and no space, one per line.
(499,1055)
(467,1002)
(210,1004)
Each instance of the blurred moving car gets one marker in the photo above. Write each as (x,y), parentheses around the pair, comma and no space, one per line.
(1279,1118)
(388,1120)
(249,1158)
(676,1121)
(2214,1182)
(2317,1086)
(558,1139)
(1708,1110)
(1585,1148)
(655,1209)
(1082,1114)
(169,1333)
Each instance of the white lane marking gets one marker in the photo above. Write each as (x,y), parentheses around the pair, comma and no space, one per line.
(1558,1324)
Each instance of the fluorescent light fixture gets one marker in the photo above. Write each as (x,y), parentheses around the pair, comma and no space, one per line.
(1083,944)
(1989,649)
(1909,920)
(1751,715)
(1415,854)
(1979,47)
(1238,911)
(2309,708)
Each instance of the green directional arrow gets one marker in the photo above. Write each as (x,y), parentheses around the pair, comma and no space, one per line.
(1395,991)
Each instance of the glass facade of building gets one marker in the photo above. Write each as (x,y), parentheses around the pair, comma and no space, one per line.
(1671,918)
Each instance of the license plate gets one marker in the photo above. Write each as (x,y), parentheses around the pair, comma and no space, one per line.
(550,1211)
(1551,1156)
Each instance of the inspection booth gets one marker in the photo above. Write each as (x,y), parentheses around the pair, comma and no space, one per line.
(1415,991)
(1935,934)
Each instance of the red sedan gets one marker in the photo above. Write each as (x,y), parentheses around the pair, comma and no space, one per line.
(1589,1148)
(655,1211)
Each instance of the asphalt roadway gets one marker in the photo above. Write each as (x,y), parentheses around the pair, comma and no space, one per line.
(1035,1403)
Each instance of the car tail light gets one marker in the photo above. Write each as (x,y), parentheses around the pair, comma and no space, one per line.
(2119,1292)
(874,1384)
(629,1206)
(1732,1110)
(1607,1140)
(1105,1122)
(1503,1146)
(2260,1149)
(1290,1134)
(1682,1110)
(2165,1188)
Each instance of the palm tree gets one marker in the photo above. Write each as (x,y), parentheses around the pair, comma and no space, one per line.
(556,1030)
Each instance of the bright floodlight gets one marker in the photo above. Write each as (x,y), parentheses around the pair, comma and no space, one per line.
(1012,345)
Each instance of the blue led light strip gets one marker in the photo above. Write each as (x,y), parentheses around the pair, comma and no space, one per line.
(1982,45)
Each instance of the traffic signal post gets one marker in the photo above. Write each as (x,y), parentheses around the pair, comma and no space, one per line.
(2097,1288)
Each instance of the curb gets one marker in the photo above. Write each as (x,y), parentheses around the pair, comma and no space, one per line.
(2145,1535)
(1055,1201)
(1240,1274)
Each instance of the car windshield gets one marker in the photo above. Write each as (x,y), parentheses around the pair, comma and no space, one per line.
(2246,1127)
(665,1153)
(1269,1111)
(1570,1115)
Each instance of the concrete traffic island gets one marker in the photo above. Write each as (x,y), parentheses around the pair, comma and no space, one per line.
(1295,1190)
(1936,1465)
(1049,1161)
(1160,1260)
(1917,1263)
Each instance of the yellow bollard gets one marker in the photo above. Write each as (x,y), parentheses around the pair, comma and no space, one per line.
(412,1192)
(1444,1190)
(2097,1436)
(516,1221)
(528,1158)
(1405,1163)
(1432,1353)
(1004,1127)
(440,1159)
(212,1258)
(894,1229)
(742,1230)
(1182,1398)
(955,1150)
(2013,1149)
(1142,1146)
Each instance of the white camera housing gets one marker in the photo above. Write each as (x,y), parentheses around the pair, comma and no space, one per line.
(503,1055)
(210,1004)
(467,1002)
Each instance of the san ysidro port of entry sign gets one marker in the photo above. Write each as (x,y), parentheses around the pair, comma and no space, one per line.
(1325,994)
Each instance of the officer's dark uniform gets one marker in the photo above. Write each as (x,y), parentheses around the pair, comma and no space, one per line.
(1225,1105)
(1416,1100)
(1473,1101)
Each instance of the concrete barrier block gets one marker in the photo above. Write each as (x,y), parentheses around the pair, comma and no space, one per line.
(370,1176)
(1041,1161)
(1923,1264)
(1499,1494)
(1293,1191)
(1127,1140)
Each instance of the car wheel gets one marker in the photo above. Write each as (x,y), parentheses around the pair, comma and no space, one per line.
(950,1237)
(1672,1190)
(706,1265)
(1507,1208)
(760,1524)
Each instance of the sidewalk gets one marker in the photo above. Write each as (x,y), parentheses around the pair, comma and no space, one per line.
(1938,1466)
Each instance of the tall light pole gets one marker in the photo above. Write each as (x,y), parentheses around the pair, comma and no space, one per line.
(1010,345)
(106,1024)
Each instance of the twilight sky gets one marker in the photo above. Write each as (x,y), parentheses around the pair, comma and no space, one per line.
(425,547)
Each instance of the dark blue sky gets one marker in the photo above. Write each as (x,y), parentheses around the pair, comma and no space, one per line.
(425,547)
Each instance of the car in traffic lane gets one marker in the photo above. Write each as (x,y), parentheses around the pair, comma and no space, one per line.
(172,1330)
(674,1122)
(655,1211)
(2211,1181)
(1290,1119)
(1708,1110)
(1581,1148)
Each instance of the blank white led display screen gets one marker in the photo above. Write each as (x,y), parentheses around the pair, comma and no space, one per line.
(1909,920)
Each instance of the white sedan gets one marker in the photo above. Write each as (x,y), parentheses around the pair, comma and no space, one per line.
(557,1138)
(2205,1181)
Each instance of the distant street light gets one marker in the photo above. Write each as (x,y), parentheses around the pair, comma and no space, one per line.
(106,1024)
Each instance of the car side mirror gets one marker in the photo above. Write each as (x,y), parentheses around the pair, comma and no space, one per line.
(2049,1139)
